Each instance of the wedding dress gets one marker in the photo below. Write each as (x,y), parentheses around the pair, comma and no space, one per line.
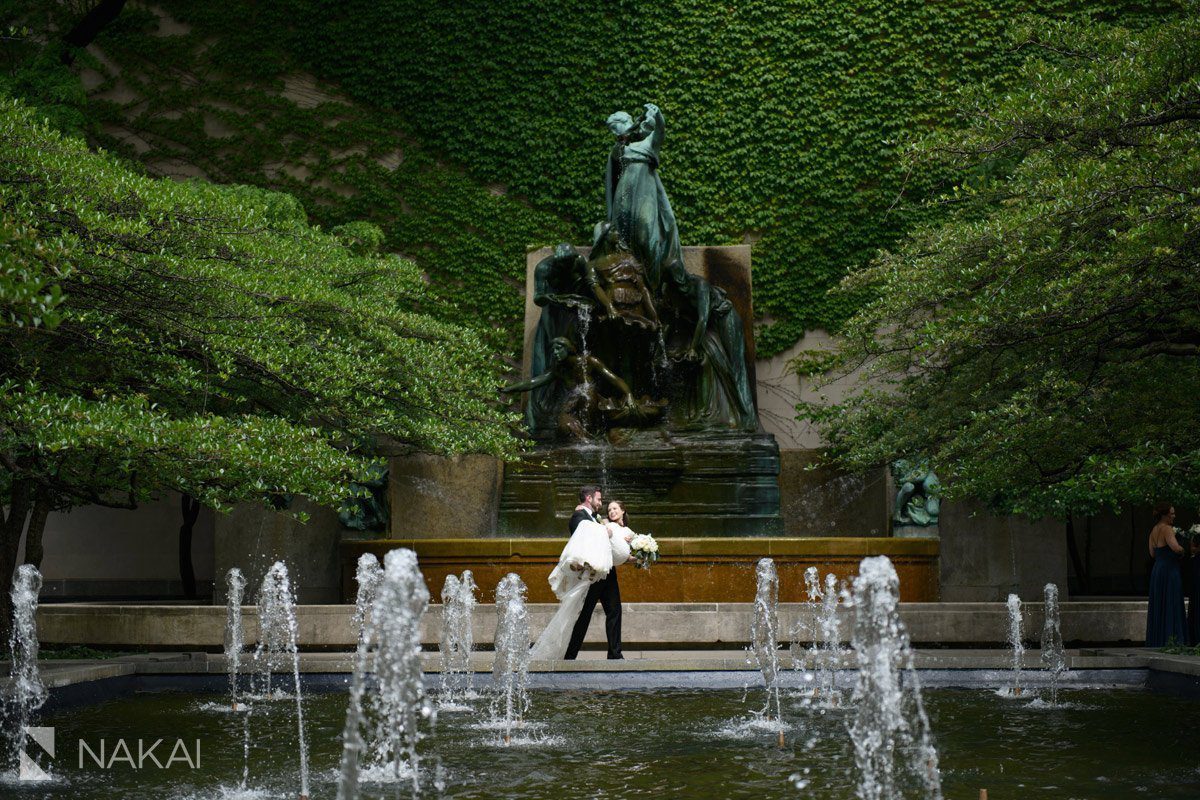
(587,558)
(620,543)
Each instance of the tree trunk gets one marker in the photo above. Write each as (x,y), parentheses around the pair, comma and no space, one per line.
(1085,580)
(20,501)
(37,524)
(1087,550)
(187,572)
(88,28)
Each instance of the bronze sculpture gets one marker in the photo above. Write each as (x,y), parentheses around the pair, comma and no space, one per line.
(918,494)
(627,337)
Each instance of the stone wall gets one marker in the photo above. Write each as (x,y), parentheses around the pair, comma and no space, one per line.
(105,552)
(690,570)
(252,538)
(436,497)
(985,557)
(822,501)
(1113,551)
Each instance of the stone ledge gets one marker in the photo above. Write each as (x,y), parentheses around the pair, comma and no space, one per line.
(646,625)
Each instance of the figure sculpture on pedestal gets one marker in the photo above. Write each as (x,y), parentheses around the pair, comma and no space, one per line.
(634,317)
(918,494)
(559,289)
(579,375)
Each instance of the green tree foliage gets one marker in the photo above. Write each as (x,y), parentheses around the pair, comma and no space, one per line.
(212,95)
(1042,347)
(783,122)
(783,117)
(181,335)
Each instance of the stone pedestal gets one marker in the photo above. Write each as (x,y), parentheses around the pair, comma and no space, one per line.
(443,497)
(915,532)
(727,267)
(712,484)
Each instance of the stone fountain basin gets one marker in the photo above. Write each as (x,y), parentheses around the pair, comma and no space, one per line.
(690,570)
(649,734)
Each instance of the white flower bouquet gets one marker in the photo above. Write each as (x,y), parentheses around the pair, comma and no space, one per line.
(644,549)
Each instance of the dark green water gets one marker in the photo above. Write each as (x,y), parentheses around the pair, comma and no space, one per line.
(1121,743)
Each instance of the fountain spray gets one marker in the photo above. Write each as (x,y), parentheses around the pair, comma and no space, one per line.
(26,692)
(764,636)
(830,651)
(1015,640)
(235,590)
(510,670)
(277,635)
(394,629)
(889,722)
(457,639)
(806,628)
(367,576)
(1053,657)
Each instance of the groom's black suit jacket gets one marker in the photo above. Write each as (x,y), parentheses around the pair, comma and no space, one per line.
(579,516)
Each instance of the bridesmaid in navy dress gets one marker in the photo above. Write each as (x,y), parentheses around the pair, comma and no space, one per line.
(1164,612)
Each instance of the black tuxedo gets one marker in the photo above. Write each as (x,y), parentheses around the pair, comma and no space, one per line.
(579,516)
(608,593)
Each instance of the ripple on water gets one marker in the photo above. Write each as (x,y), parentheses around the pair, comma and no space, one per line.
(500,725)
(11,779)
(526,739)
(452,707)
(739,728)
(222,708)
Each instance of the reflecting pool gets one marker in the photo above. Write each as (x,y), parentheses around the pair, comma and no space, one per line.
(1113,743)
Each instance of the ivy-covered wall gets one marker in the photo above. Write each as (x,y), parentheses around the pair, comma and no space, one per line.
(470,130)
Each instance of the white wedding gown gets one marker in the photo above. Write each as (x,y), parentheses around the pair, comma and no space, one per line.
(589,545)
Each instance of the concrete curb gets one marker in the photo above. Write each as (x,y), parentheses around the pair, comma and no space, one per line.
(982,667)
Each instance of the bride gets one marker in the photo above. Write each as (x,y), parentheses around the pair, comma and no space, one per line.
(592,551)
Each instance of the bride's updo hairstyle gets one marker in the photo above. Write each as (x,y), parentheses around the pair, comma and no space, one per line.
(624,513)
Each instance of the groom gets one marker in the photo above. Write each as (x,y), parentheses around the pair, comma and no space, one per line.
(606,590)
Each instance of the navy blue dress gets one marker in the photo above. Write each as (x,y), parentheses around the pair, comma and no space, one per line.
(1164,613)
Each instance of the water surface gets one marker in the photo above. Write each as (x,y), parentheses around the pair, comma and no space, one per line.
(656,744)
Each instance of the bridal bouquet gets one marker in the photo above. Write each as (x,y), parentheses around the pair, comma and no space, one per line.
(644,549)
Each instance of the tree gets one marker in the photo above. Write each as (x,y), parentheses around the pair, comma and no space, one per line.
(205,339)
(1042,347)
